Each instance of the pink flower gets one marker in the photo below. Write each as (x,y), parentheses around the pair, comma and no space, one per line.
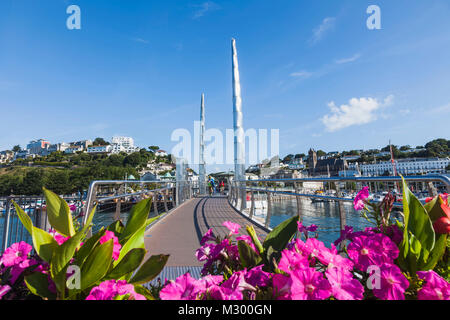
(343,285)
(18,269)
(108,290)
(209,236)
(183,288)
(4,290)
(345,235)
(393,283)
(203,253)
(305,284)
(233,227)
(220,293)
(108,236)
(237,282)
(211,280)
(16,254)
(73,207)
(302,228)
(292,261)
(256,277)
(372,250)
(435,287)
(360,199)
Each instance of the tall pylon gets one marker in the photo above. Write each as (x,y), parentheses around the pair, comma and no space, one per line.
(239,147)
(201,166)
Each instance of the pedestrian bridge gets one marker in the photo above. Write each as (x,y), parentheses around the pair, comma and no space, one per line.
(180,231)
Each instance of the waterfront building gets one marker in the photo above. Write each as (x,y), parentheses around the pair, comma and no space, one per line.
(38,147)
(73,149)
(24,154)
(6,156)
(407,166)
(99,149)
(62,147)
(325,167)
(161,153)
(123,144)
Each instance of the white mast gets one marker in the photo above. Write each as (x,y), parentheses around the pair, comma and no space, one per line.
(201,170)
(239,151)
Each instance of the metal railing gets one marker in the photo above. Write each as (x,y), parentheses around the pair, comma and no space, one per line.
(240,191)
(114,200)
(116,197)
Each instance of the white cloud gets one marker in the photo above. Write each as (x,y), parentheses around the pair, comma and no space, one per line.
(301,74)
(348,60)
(140,40)
(356,112)
(441,109)
(319,32)
(204,8)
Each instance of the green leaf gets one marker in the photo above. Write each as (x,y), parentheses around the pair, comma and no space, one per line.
(436,254)
(97,264)
(280,236)
(38,284)
(252,233)
(116,227)
(135,241)
(59,214)
(137,218)
(87,247)
(248,257)
(143,291)
(43,242)
(418,221)
(128,264)
(434,209)
(150,269)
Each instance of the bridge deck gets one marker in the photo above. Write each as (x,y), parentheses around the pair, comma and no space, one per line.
(179,233)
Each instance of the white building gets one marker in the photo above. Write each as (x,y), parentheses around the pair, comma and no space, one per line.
(123,144)
(407,166)
(73,149)
(161,153)
(99,149)
(6,156)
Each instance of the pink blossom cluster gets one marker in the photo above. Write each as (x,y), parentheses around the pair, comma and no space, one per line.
(17,259)
(308,270)
(111,289)
(216,251)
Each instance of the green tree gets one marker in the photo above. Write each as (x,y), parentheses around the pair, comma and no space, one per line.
(16,148)
(100,142)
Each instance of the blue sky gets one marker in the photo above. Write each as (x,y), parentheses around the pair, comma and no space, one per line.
(309,68)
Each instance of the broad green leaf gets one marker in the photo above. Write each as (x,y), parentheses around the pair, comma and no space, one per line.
(137,218)
(116,227)
(418,221)
(150,269)
(88,246)
(436,254)
(97,264)
(135,241)
(252,233)
(38,284)
(129,263)
(59,214)
(434,209)
(43,242)
(248,257)
(279,237)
